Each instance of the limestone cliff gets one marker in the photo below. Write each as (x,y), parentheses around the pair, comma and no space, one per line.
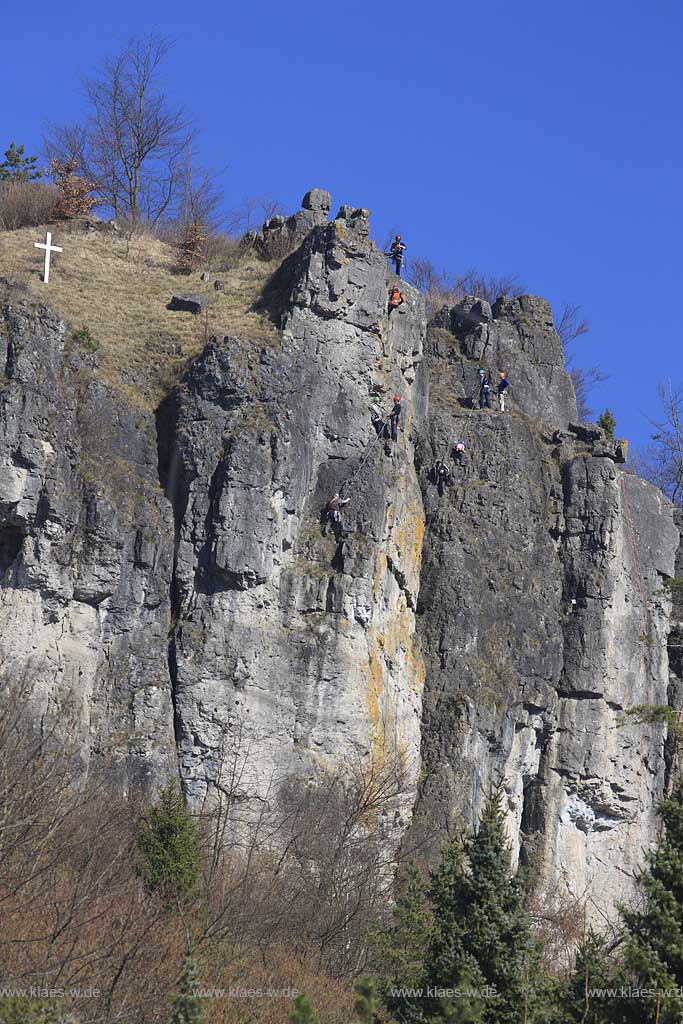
(169,578)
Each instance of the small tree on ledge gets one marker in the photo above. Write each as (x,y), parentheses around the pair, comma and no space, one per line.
(607,423)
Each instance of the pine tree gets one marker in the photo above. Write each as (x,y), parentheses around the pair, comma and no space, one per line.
(594,971)
(608,423)
(654,945)
(482,938)
(302,1012)
(168,842)
(367,1003)
(187,1005)
(402,948)
(17,167)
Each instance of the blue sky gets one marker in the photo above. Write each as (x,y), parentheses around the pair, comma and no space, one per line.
(536,139)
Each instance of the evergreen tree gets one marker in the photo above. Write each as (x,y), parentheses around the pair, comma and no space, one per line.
(608,423)
(168,842)
(593,972)
(20,1010)
(367,1003)
(17,167)
(302,1012)
(402,948)
(482,937)
(654,945)
(187,1006)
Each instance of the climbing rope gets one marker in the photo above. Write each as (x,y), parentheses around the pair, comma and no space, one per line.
(364,458)
(647,638)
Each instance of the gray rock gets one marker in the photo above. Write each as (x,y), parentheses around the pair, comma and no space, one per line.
(588,432)
(516,336)
(494,633)
(219,286)
(317,200)
(206,276)
(188,302)
(281,235)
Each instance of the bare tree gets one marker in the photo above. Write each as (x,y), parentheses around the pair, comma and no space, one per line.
(252,213)
(661,462)
(199,214)
(569,327)
(134,140)
(443,288)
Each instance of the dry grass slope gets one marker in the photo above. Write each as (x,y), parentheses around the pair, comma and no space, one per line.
(121,298)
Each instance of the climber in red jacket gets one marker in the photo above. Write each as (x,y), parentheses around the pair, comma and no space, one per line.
(396,299)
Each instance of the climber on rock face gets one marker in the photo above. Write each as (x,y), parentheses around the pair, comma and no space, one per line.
(378,423)
(442,475)
(333,513)
(395,298)
(460,453)
(503,385)
(396,254)
(394,417)
(484,390)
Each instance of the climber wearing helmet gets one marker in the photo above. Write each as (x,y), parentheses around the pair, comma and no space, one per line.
(396,254)
(460,453)
(396,299)
(503,385)
(394,417)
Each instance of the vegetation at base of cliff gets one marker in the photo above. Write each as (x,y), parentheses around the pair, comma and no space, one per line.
(168,842)
(117,910)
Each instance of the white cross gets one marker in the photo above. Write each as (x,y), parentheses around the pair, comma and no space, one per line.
(49,248)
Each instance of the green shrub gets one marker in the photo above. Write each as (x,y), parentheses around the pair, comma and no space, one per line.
(302,1012)
(168,842)
(187,1006)
(84,339)
(607,422)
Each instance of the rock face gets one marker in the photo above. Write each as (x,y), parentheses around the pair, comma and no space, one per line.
(86,555)
(172,589)
(294,650)
(542,617)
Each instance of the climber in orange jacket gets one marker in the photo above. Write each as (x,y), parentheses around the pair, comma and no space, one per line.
(395,298)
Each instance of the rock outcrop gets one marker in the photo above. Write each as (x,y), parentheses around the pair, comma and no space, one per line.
(172,590)
(87,555)
(292,650)
(542,616)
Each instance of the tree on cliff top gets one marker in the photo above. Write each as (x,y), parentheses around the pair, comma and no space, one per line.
(18,167)
(133,140)
(569,327)
(662,462)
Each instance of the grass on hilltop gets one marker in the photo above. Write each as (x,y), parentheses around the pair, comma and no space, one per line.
(114,302)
